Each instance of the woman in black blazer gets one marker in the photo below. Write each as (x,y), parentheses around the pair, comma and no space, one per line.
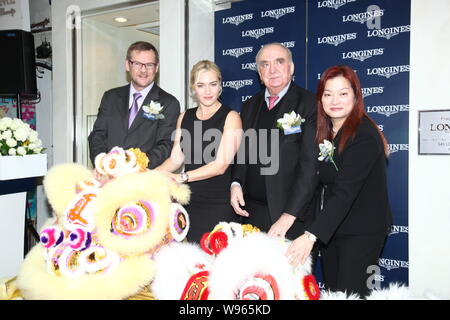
(354,216)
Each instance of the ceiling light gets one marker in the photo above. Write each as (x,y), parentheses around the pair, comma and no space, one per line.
(120,19)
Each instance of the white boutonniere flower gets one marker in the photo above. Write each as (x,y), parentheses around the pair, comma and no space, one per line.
(153,110)
(290,123)
(326,152)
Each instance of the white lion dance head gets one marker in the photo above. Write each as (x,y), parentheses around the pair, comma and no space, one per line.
(233,262)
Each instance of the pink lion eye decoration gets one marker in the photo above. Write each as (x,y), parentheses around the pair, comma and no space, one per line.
(51,237)
(133,219)
(80,239)
(259,287)
(179,225)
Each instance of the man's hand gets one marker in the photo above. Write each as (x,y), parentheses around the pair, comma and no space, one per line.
(237,200)
(279,228)
(299,250)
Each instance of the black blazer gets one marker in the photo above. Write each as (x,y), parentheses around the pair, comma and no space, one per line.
(292,186)
(152,136)
(355,198)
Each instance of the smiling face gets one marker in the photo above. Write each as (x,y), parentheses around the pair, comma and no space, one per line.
(338,100)
(275,68)
(207,88)
(142,76)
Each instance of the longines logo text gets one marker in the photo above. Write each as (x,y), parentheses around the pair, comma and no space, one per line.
(237,20)
(372,90)
(390,264)
(337,39)
(277,13)
(388,110)
(442,127)
(288,44)
(245,98)
(249,66)
(237,52)
(388,32)
(387,72)
(398,229)
(237,84)
(362,55)
(363,16)
(393,148)
(257,33)
(335,4)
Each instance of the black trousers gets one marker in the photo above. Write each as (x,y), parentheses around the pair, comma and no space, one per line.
(260,217)
(345,262)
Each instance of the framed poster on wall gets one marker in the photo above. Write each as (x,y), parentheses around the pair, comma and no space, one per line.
(434,132)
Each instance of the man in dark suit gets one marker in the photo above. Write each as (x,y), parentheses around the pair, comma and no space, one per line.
(138,115)
(277,202)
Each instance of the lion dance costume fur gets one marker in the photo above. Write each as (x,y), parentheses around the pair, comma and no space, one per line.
(118,231)
(107,227)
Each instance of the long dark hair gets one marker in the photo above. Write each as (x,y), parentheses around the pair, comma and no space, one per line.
(351,124)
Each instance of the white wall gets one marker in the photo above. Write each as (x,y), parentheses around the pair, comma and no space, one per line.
(172,48)
(429,176)
(173,77)
(201,35)
(104,52)
(39,10)
(62,75)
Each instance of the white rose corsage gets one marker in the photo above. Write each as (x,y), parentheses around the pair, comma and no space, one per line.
(152,111)
(326,152)
(290,123)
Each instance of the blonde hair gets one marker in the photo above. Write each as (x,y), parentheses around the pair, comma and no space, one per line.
(202,66)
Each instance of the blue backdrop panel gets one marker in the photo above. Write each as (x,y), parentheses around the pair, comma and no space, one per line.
(372,37)
(242,30)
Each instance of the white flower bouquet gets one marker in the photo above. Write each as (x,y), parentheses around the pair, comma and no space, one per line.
(18,139)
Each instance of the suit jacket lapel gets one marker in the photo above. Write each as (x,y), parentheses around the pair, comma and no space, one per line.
(122,105)
(256,109)
(287,104)
(153,95)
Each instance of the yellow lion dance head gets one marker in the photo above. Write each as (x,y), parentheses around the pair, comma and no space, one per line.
(108,224)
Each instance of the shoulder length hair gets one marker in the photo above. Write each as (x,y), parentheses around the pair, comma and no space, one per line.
(351,124)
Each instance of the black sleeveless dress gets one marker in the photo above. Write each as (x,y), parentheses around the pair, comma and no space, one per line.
(210,198)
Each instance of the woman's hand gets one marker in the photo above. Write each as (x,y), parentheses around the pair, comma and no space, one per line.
(173,176)
(299,250)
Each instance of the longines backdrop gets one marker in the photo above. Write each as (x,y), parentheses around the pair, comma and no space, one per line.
(371,36)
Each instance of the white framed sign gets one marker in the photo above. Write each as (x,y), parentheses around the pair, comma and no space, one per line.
(434,132)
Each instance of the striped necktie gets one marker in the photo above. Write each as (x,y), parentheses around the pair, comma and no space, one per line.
(134,108)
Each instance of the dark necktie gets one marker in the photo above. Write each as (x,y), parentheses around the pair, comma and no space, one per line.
(134,108)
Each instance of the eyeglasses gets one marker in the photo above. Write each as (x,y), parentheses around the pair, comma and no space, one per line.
(137,65)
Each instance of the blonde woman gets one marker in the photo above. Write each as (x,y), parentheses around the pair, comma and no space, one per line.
(206,141)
